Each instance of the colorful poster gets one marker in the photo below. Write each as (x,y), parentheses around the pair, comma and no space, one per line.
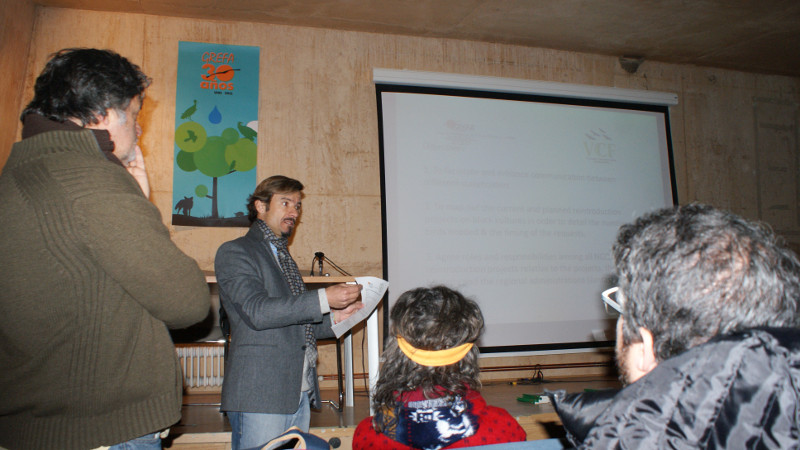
(216,131)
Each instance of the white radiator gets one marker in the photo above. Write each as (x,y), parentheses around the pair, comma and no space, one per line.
(203,364)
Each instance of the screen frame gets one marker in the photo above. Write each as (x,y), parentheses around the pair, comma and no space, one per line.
(519,90)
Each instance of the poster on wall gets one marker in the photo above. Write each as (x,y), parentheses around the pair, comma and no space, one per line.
(216,132)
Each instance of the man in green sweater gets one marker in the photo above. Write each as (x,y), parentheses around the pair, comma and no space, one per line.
(91,280)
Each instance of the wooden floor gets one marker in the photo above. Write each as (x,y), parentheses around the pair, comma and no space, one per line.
(202,426)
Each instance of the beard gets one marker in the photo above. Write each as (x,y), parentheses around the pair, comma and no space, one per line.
(620,356)
(288,232)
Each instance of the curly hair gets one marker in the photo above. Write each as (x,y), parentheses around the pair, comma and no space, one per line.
(435,318)
(84,83)
(692,272)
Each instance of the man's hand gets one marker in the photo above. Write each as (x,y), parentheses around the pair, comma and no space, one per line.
(342,314)
(137,170)
(342,295)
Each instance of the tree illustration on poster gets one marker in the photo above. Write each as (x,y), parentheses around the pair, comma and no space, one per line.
(215,134)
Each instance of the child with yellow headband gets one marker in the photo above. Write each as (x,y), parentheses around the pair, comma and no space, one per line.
(427,394)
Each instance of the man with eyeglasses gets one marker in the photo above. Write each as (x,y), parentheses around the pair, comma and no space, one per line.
(708,345)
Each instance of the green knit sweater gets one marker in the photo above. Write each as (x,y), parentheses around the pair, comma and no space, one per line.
(90,282)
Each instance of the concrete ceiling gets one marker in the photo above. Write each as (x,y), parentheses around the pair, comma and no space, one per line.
(752,36)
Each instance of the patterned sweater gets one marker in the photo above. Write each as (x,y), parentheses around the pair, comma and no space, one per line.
(434,424)
(91,281)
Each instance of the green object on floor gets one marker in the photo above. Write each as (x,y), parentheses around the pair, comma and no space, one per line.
(530,398)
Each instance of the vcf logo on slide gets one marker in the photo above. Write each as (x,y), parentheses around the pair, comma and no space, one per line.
(599,146)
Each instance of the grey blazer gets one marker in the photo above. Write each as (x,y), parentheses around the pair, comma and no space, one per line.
(264,364)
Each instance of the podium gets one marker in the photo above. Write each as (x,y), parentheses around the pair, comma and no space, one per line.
(373,349)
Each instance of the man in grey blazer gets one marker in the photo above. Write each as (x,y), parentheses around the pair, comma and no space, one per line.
(270,371)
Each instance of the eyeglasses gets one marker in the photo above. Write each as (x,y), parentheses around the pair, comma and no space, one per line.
(618,302)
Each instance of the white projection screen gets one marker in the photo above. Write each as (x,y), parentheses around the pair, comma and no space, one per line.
(512,192)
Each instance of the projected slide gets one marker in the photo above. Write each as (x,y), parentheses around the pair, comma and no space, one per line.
(517,203)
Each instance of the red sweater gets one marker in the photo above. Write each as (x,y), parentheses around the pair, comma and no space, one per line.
(494,426)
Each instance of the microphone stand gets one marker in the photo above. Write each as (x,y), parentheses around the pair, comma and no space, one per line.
(320,257)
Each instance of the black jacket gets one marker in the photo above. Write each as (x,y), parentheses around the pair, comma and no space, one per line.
(736,391)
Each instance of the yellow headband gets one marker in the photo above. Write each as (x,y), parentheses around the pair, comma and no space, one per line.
(434,358)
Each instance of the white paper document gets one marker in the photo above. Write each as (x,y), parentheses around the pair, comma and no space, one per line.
(372,291)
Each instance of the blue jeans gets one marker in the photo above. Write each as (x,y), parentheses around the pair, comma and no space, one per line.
(254,430)
(150,441)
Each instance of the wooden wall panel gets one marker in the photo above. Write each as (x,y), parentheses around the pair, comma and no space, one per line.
(318,114)
(719,126)
(16,29)
(318,119)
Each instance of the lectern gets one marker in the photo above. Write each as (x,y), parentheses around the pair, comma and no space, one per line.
(373,349)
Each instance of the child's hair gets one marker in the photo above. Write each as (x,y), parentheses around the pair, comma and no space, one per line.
(435,318)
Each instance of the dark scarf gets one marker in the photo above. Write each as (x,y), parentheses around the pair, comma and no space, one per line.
(292,275)
(288,266)
(33,124)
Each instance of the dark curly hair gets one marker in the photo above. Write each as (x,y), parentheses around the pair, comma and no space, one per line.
(82,83)
(435,318)
(692,272)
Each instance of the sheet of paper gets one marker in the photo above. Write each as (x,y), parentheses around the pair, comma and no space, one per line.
(372,292)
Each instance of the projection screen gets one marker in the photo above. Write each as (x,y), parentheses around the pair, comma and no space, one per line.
(512,191)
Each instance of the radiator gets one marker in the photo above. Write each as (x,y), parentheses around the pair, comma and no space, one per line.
(203,364)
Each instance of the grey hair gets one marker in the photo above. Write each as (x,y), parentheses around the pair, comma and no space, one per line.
(692,272)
